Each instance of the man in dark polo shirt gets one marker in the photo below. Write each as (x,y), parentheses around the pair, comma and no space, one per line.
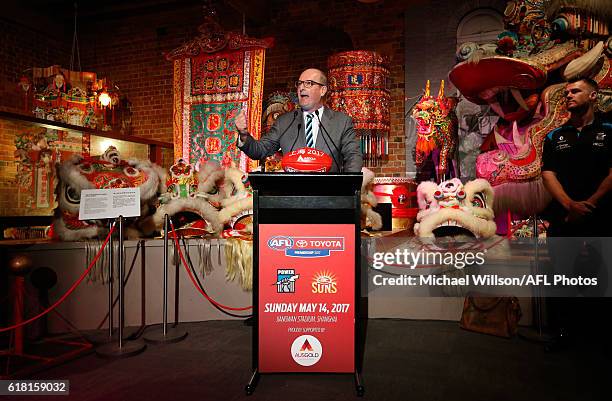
(577,168)
(577,171)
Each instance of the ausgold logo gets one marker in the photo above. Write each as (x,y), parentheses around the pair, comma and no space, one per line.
(306,350)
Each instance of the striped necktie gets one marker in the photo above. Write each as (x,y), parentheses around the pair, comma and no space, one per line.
(309,136)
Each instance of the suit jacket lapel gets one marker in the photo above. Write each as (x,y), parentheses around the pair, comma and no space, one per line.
(301,140)
(328,122)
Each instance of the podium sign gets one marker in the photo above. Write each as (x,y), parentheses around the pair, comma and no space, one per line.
(306,274)
(306,298)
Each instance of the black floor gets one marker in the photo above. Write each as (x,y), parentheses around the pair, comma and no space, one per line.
(404,360)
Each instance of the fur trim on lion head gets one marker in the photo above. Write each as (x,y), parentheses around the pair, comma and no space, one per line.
(369,217)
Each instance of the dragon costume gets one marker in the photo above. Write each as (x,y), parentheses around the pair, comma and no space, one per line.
(436,129)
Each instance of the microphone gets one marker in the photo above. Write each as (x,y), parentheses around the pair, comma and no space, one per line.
(296,137)
(340,169)
(295,114)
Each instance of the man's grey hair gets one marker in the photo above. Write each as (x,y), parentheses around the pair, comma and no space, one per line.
(322,78)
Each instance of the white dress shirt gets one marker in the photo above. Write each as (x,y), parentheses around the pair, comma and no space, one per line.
(315,123)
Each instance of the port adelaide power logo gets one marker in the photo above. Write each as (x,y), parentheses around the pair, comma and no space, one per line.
(306,350)
(285,280)
(306,247)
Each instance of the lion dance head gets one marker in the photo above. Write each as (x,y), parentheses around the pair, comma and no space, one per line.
(453,209)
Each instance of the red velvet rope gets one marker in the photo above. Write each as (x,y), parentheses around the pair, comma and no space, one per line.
(70,290)
(212,301)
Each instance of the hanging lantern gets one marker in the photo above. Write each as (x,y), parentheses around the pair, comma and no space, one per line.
(104,99)
(358,87)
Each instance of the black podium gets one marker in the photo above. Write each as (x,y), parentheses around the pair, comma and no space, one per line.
(306,277)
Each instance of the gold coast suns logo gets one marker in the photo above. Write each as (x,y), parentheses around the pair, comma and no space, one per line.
(324,282)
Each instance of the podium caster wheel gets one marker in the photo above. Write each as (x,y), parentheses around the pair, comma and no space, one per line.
(360,391)
(249,389)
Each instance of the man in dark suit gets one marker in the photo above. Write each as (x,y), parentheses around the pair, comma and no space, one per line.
(315,126)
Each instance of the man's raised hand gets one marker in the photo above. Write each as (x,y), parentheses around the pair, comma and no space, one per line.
(241,123)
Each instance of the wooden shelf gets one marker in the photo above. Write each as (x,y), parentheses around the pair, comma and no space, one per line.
(75,128)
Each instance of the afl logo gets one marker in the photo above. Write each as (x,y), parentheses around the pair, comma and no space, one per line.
(280,242)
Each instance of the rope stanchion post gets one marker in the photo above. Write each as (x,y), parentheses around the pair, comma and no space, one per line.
(101,337)
(165,289)
(121,321)
(165,334)
(535,334)
(128,348)
(110,282)
(18,287)
(20,265)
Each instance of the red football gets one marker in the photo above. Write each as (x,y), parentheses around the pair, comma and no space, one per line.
(307,160)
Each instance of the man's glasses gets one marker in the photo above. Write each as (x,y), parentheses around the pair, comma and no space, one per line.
(307,84)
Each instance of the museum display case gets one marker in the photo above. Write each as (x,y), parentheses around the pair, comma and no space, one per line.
(32,148)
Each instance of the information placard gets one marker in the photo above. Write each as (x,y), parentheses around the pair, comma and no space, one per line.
(109,203)
(306,298)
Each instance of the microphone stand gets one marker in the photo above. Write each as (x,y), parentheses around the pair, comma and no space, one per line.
(296,138)
(340,169)
(295,114)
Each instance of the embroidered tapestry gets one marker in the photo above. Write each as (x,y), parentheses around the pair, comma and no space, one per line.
(215,76)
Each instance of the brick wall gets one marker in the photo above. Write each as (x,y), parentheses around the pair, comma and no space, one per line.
(8,168)
(129,51)
(21,48)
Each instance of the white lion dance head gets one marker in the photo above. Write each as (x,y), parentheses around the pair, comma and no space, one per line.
(453,209)
(106,171)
